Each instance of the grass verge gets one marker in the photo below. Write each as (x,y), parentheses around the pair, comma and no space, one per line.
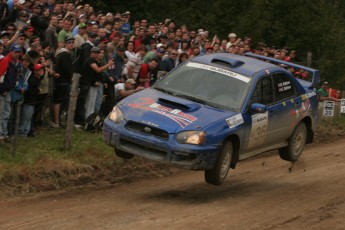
(41,163)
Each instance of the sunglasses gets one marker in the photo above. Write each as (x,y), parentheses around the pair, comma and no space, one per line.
(173,53)
(12,29)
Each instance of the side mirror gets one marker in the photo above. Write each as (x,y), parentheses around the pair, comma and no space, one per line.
(258,108)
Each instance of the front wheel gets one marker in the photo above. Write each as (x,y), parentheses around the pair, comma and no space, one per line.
(217,175)
(296,144)
(123,154)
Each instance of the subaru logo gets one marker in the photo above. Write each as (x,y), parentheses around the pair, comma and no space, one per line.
(147,129)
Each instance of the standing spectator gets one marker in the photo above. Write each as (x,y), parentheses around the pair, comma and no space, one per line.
(111,47)
(138,40)
(8,77)
(182,58)
(232,40)
(323,93)
(38,21)
(145,73)
(18,92)
(133,65)
(51,34)
(126,26)
(82,19)
(42,97)
(130,50)
(62,80)
(85,50)
(64,33)
(89,81)
(93,74)
(157,54)
(115,70)
(169,63)
(150,35)
(30,99)
(80,38)
(22,19)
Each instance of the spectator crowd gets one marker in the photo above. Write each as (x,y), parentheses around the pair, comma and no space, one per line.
(44,42)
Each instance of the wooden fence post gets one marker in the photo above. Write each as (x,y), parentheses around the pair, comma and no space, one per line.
(309,58)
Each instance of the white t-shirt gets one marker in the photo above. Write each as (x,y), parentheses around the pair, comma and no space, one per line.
(118,87)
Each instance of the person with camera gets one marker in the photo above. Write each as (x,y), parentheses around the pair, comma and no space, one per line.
(89,81)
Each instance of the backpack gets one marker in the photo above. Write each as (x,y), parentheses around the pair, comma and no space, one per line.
(94,123)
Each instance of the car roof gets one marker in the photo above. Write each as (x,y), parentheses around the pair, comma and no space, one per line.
(240,64)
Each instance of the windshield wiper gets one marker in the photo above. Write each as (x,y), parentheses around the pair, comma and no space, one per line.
(195,99)
(164,90)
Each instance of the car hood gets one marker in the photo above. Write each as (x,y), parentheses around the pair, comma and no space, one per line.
(171,113)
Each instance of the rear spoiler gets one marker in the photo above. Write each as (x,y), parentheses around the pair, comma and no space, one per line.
(314,80)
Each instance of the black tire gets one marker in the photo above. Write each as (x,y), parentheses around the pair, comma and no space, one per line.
(296,144)
(217,175)
(123,154)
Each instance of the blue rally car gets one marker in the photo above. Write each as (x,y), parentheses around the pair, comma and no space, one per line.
(215,110)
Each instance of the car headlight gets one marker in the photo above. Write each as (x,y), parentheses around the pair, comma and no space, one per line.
(116,115)
(191,137)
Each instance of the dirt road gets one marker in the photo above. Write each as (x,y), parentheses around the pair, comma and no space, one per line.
(261,193)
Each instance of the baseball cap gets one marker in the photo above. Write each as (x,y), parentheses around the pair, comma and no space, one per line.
(4,33)
(38,67)
(82,15)
(69,38)
(131,81)
(95,49)
(92,35)
(232,35)
(16,48)
(160,50)
(81,25)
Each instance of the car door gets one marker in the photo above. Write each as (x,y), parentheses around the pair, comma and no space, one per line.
(273,127)
(286,107)
(263,93)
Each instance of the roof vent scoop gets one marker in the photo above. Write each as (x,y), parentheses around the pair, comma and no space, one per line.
(227,62)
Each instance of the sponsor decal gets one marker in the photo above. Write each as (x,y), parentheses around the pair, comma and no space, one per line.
(235,121)
(258,130)
(148,104)
(220,70)
(283,86)
(298,113)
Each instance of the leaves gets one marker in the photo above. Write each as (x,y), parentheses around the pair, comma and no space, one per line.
(311,25)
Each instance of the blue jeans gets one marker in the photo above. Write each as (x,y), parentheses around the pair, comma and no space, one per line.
(25,120)
(99,98)
(5,113)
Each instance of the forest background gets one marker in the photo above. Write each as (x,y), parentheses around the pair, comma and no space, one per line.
(316,26)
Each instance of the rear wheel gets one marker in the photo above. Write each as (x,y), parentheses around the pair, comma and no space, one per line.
(217,175)
(296,144)
(123,154)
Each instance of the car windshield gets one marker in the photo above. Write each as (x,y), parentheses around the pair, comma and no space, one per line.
(206,84)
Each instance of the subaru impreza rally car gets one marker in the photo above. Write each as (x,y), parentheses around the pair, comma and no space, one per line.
(215,110)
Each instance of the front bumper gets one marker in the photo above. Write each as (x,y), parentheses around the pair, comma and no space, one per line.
(168,151)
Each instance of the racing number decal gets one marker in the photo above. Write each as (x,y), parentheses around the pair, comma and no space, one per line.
(258,130)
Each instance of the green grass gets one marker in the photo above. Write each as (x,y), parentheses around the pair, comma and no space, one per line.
(87,148)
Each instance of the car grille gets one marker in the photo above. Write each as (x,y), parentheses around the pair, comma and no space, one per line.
(153,151)
(147,129)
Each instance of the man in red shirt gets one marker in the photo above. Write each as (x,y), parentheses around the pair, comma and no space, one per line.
(144,76)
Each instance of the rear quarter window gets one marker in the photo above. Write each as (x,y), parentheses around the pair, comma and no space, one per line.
(284,87)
